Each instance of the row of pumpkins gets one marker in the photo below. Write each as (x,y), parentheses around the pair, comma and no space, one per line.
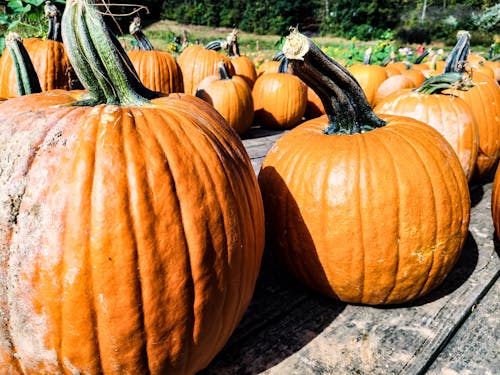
(132,225)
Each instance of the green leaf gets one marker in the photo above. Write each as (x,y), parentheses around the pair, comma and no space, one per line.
(36,3)
(4,19)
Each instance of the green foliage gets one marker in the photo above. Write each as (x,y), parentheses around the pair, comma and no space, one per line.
(489,20)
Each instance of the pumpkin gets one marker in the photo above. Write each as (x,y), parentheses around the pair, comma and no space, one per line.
(231,96)
(131,226)
(495,202)
(243,66)
(280,99)
(369,77)
(392,84)
(157,70)
(198,62)
(26,81)
(364,209)
(482,94)
(49,59)
(447,113)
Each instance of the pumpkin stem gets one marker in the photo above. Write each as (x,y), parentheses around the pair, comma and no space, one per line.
(26,76)
(283,66)
(54,18)
(345,103)
(223,71)
(457,60)
(455,75)
(99,60)
(232,42)
(135,30)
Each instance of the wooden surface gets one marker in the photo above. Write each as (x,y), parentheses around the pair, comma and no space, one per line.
(291,330)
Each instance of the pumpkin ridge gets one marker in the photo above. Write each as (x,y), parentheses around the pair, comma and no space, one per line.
(397,204)
(432,275)
(433,198)
(134,156)
(359,212)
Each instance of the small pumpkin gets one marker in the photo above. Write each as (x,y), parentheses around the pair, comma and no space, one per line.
(243,66)
(231,96)
(369,77)
(365,209)
(280,99)
(198,62)
(131,225)
(157,70)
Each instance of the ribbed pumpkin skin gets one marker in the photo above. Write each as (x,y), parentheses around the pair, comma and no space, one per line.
(448,114)
(157,70)
(196,63)
(392,84)
(245,68)
(232,98)
(370,77)
(484,100)
(495,202)
(280,100)
(51,65)
(373,218)
(130,238)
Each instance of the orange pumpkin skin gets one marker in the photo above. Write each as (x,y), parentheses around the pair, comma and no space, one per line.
(495,202)
(314,107)
(448,114)
(127,245)
(157,70)
(484,100)
(280,100)
(51,65)
(370,77)
(232,98)
(245,68)
(197,62)
(374,218)
(392,84)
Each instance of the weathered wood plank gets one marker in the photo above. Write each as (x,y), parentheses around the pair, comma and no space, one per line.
(257,142)
(290,330)
(475,347)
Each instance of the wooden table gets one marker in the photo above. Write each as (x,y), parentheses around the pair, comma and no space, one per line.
(288,329)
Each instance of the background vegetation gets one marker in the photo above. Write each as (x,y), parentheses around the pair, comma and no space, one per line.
(384,25)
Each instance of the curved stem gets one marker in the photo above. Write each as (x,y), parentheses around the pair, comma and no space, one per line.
(54,18)
(457,59)
(135,30)
(223,72)
(98,58)
(345,103)
(26,76)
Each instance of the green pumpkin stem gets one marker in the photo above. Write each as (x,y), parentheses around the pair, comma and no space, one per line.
(26,76)
(223,72)
(135,30)
(99,60)
(457,60)
(345,103)
(54,19)
(455,75)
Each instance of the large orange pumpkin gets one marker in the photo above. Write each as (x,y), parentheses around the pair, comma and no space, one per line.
(130,233)
(359,208)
